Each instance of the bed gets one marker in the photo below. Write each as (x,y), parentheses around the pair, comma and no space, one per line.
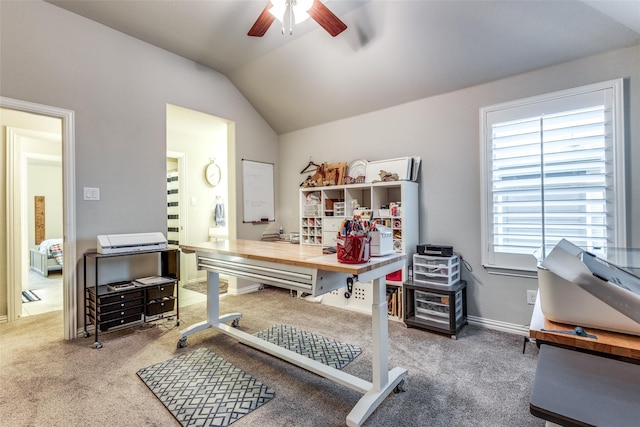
(46,257)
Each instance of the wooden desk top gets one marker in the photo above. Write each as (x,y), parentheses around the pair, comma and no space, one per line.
(289,254)
(622,345)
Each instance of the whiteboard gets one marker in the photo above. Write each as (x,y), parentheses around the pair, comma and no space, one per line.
(257,191)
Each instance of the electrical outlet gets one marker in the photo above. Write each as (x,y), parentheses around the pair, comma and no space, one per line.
(531,297)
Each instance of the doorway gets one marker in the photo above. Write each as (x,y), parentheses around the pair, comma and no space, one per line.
(17,260)
(194,140)
(41,201)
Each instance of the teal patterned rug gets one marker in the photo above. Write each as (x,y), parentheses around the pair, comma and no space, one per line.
(202,389)
(321,349)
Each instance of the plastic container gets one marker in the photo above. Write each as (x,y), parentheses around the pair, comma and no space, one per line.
(436,270)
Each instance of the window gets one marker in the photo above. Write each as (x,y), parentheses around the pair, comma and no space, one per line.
(553,168)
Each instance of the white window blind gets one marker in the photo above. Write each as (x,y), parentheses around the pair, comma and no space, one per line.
(552,169)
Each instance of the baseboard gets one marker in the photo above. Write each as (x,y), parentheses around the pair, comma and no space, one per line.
(498,325)
(4,319)
(245,289)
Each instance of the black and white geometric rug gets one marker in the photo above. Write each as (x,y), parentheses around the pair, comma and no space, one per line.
(202,389)
(29,296)
(321,349)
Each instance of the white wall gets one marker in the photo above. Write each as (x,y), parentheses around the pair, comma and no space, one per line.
(444,131)
(118,88)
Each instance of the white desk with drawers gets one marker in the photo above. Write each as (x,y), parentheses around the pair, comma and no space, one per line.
(302,268)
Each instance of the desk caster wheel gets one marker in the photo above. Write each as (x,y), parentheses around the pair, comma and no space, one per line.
(97,344)
(182,342)
(399,388)
(85,334)
(235,323)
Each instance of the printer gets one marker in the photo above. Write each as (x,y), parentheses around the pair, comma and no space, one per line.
(579,288)
(132,242)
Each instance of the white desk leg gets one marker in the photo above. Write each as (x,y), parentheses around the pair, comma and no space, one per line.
(213,310)
(380,332)
(384,381)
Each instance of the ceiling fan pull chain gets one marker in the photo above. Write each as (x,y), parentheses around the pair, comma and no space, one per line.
(290,17)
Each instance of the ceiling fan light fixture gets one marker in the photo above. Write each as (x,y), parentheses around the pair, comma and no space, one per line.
(301,9)
(298,11)
(298,8)
(279,9)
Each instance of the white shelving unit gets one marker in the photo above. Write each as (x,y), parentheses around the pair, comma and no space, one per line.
(322,210)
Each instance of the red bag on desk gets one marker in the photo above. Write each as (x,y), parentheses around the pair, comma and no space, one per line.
(353,249)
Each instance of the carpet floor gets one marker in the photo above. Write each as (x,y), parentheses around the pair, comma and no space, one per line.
(482,379)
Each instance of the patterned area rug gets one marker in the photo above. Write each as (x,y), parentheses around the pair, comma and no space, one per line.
(201,287)
(202,389)
(321,349)
(29,296)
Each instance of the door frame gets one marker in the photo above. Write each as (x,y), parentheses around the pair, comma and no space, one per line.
(69,272)
(17,160)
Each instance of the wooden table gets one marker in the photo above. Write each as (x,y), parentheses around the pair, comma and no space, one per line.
(582,381)
(303,268)
(608,343)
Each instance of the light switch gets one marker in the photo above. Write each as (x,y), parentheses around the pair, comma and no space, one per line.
(91,193)
(194,201)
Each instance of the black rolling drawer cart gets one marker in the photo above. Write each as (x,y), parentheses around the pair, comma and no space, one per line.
(436,298)
(437,308)
(117,305)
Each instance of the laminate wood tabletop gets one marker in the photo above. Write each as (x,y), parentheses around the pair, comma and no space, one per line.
(613,343)
(289,254)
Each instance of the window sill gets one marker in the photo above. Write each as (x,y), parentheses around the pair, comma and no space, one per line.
(507,271)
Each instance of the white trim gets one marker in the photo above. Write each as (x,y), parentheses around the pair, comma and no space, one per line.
(619,154)
(70,288)
(16,211)
(488,257)
(497,325)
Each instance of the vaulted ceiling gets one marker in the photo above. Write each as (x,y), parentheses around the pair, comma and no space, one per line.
(392,51)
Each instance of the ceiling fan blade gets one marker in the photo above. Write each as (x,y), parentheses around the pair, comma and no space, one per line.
(326,19)
(263,22)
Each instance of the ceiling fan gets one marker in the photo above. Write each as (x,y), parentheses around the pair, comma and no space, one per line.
(297,11)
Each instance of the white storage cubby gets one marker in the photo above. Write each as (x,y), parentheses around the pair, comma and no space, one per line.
(436,270)
(322,210)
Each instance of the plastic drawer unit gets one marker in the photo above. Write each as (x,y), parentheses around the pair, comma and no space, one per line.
(438,308)
(436,270)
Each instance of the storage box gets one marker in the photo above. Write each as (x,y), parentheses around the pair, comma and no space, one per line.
(159,306)
(381,241)
(436,270)
(401,166)
(160,291)
(437,307)
(353,249)
(396,276)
